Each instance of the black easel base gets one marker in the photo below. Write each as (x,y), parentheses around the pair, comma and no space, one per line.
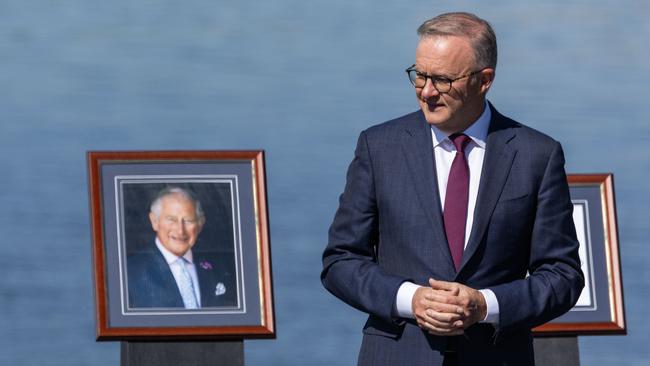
(182,353)
(557,351)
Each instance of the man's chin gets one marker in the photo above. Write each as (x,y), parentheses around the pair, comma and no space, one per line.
(435,115)
(179,248)
(436,119)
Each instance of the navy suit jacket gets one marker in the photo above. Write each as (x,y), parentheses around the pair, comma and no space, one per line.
(152,285)
(389,229)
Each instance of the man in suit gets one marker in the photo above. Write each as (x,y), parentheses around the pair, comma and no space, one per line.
(170,274)
(454,231)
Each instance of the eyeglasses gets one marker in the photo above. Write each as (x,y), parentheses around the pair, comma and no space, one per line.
(441,83)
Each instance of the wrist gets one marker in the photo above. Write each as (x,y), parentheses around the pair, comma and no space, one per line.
(492,307)
(405,298)
(482,306)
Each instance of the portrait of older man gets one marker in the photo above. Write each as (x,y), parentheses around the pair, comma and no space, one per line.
(169,274)
(454,231)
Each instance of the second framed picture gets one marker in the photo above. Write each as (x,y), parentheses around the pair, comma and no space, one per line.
(600,308)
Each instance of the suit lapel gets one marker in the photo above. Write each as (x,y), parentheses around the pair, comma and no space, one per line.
(165,280)
(206,285)
(499,156)
(417,146)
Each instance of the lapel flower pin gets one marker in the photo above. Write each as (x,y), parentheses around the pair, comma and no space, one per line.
(206,265)
(220,289)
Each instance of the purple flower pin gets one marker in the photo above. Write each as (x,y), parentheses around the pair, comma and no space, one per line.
(206,265)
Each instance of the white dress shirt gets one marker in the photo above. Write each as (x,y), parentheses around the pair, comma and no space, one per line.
(444,153)
(171,260)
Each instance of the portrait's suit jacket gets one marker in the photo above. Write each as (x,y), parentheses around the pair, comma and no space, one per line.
(152,285)
(389,229)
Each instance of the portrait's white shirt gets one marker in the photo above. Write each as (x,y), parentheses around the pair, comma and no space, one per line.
(444,153)
(171,259)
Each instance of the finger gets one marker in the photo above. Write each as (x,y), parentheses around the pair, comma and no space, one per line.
(469,307)
(420,297)
(432,313)
(445,317)
(444,285)
(443,297)
(454,310)
(440,285)
(432,329)
(442,325)
(442,320)
(444,307)
(442,301)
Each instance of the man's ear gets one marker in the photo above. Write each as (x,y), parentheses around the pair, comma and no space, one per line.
(201,223)
(486,77)
(154,221)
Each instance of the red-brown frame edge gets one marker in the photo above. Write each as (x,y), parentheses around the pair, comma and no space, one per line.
(103,331)
(617,325)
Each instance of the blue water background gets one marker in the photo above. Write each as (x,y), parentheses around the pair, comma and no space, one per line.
(299,79)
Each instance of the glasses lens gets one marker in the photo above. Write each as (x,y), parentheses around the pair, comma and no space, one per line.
(442,85)
(417,79)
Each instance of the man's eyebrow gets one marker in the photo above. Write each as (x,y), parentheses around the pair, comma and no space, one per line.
(435,76)
(432,75)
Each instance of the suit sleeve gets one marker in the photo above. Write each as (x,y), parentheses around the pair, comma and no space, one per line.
(350,270)
(555,279)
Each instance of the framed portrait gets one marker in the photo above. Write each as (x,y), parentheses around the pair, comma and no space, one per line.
(180,245)
(599,309)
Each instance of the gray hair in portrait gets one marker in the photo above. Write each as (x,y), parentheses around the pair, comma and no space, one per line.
(460,24)
(157,202)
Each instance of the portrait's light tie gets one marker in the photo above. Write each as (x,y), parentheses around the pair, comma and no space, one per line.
(186,286)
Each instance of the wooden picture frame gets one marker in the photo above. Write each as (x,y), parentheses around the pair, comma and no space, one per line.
(600,308)
(226,191)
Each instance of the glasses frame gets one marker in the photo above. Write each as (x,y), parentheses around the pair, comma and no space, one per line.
(437,78)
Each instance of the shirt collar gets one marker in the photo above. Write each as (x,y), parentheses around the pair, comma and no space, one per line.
(171,257)
(477,131)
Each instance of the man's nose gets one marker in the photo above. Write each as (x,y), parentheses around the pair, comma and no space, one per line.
(428,90)
(180,228)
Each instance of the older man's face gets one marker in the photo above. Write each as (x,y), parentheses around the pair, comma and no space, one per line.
(451,57)
(178,227)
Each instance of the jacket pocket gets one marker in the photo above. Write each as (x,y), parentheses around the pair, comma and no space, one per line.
(513,197)
(379,327)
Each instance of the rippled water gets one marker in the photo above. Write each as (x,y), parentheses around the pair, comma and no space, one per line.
(300,80)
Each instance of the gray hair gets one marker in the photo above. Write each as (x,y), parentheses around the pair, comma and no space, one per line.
(467,25)
(156,205)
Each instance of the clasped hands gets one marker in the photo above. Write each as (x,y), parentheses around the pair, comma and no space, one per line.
(447,308)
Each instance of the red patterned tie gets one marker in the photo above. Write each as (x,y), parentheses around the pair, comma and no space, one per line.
(456,198)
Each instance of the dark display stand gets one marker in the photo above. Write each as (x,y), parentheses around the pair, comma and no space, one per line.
(182,353)
(557,351)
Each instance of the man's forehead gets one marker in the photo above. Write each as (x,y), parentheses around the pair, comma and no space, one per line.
(177,198)
(443,44)
(445,52)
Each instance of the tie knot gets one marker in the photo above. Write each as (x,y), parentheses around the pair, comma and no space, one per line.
(460,141)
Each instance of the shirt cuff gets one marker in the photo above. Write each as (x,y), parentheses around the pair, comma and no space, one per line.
(492,315)
(404,300)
